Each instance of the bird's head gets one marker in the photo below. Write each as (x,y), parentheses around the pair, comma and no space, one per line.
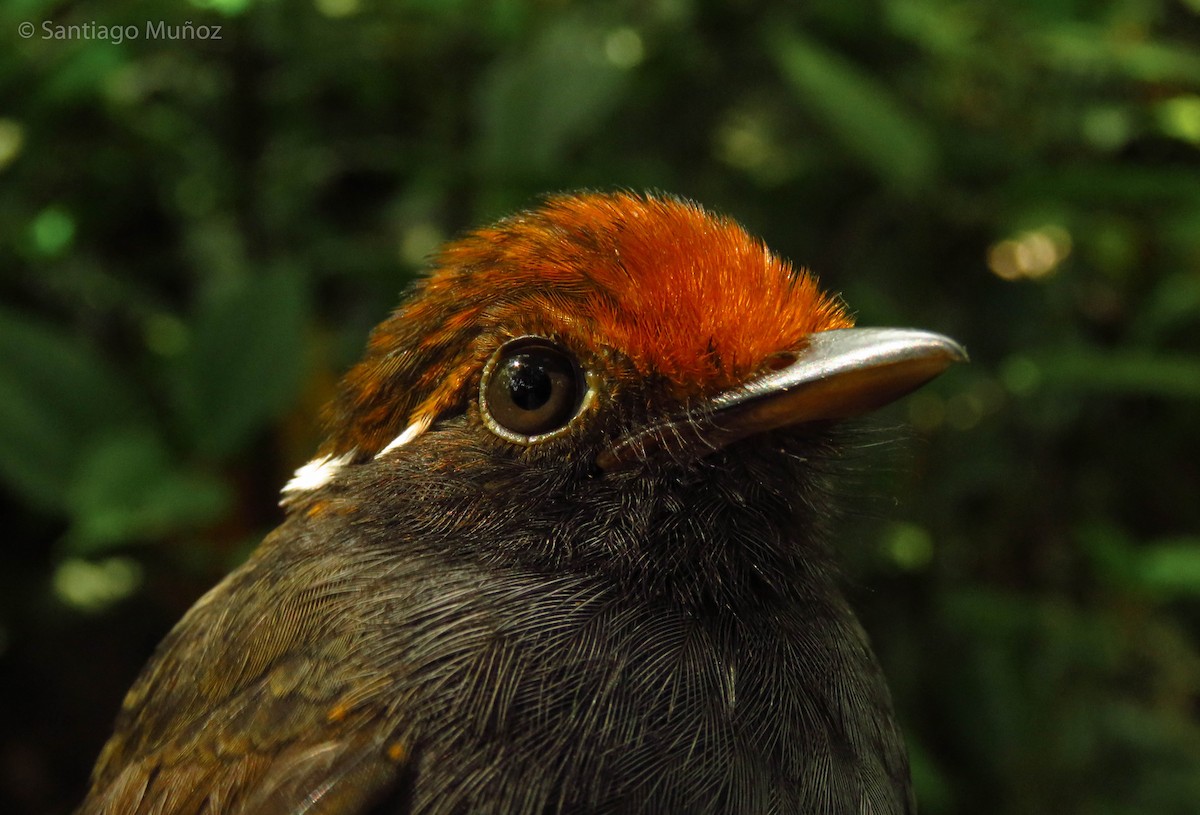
(585,378)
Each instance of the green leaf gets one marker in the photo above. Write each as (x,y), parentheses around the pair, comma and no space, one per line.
(246,361)
(84,68)
(1110,552)
(858,110)
(56,397)
(1171,567)
(534,104)
(1174,301)
(933,788)
(1123,372)
(128,490)
(1167,568)
(1091,49)
(1098,186)
(229,8)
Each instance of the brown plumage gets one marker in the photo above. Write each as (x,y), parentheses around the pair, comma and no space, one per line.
(565,549)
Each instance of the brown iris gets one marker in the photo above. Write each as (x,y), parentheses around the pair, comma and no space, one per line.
(530,389)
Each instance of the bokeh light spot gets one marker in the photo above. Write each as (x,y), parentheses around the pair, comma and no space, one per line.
(908,546)
(1021,375)
(226,7)
(12,138)
(623,48)
(1032,254)
(926,411)
(1107,128)
(53,230)
(89,586)
(963,411)
(1180,117)
(165,334)
(420,241)
(337,8)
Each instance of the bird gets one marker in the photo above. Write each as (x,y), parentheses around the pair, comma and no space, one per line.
(569,546)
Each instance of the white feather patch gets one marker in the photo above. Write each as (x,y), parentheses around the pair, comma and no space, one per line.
(411,432)
(317,473)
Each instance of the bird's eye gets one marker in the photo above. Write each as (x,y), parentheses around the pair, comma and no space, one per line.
(530,390)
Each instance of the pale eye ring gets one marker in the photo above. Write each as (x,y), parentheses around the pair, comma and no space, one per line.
(531,390)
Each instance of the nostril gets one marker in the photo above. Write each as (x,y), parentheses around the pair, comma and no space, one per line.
(777,362)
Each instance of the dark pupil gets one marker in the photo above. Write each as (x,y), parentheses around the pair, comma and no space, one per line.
(529,383)
(533,390)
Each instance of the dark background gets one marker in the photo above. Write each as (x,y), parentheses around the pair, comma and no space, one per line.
(197,234)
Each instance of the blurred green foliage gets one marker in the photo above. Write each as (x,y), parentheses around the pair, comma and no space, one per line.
(197,233)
